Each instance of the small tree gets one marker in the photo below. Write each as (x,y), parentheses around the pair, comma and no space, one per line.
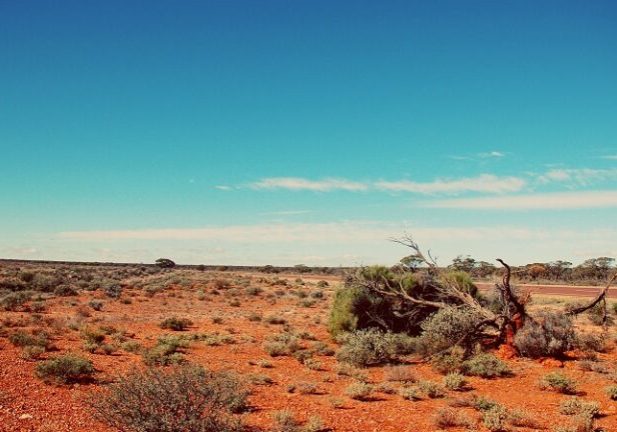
(165,263)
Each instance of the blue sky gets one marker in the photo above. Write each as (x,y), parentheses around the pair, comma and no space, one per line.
(278,132)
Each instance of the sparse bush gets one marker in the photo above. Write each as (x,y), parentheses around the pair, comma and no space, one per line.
(432,389)
(448,417)
(455,381)
(410,393)
(65,369)
(592,342)
(611,391)
(165,352)
(184,399)
(450,361)
(359,391)
(399,374)
(485,366)
(558,382)
(447,327)
(65,291)
(549,335)
(284,421)
(371,347)
(14,300)
(176,324)
(495,419)
(32,352)
(97,305)
(576,406)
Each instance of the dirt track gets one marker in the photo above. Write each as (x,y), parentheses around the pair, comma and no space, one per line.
(557,290)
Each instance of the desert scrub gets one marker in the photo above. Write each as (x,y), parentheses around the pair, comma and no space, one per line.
(611,392)
(495,419)
(176,324)
(448,417)
(432,389)
(371,347)
(359,391)
(183,399)
(455,381)
(399,374)
(65,369)
(97,305)
(23,339)
(13,301)
(450,361)
(485,366)
(410,393)
(32,352)
(165,352)
(275,319)
(549,335)
(284,421)
(283,344)
(558,382)
(576,406)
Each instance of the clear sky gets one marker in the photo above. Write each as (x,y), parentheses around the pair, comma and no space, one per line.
(287,132)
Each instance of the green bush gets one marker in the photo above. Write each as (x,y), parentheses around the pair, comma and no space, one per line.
(359,391)
(65,369)
(576,406)
(372,347)
(177,324)
(455,381)
(549,335)
(14,300)
(485,366)
(447,327)
(184,399)
(558,382)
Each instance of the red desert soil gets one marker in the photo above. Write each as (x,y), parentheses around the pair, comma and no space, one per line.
(27,404)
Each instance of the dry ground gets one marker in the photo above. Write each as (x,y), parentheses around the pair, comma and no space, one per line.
(222,303)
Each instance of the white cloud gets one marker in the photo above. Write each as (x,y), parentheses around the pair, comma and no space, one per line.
(223,187)
(285,213)
(297,183)
(610,157)
(491,154)
(578,176)
(486,183)
(555,200)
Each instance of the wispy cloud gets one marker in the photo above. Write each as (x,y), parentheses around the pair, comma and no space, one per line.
(610,157)
(285,213)
(298,183)
(485,183)
(223,187)
(555,200)
(491,154)
(578,176)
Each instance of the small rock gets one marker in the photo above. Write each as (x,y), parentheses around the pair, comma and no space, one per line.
(25,417)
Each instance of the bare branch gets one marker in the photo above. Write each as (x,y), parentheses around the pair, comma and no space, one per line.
(601,297)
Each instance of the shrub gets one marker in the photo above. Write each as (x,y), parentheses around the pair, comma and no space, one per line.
(432,389)
(32,352)
(399,374)
(485,366)
(284,344)
(611,391)
(284,421)
(592,342)
(549,335)
(455,381)
(184,399)
(359,391)
(410,393)
(15,300)
(177,324)
(371,347)
(65,369)
(22,339)
(495,419)
(165,352)
(65,291)
(448,417)
(449,362)
(558,382)
(446,327)
(97,305)
(576,406)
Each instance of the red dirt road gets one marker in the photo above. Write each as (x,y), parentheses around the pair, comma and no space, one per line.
(556,290)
